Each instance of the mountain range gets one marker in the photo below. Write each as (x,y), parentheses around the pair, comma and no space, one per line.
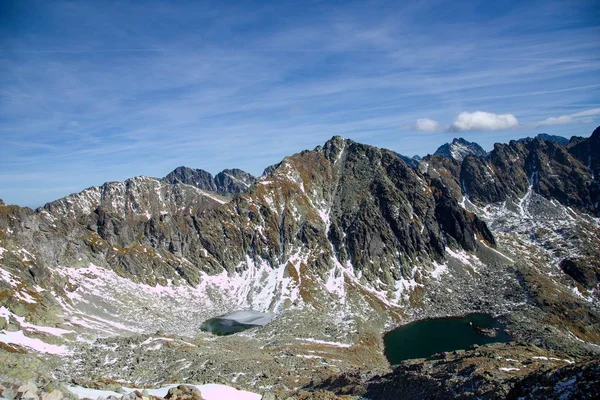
(343,243)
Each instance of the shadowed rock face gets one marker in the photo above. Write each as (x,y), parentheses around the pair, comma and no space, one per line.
(363,203)
(588,152)
(511,169)
(233,181)
(580,381)
(227,182)
(586,271)
(195,177)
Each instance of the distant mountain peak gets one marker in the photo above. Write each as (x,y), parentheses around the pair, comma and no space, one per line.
(459,148)
(227,182)
(563,141)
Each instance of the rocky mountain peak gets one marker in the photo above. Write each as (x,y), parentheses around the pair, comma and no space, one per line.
(459,148)
(233,181)
(563,141)
(195,177)
(334,147)
(226,183)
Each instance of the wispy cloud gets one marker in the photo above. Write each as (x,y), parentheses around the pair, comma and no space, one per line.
(563,119)
(587,113)
(575,118)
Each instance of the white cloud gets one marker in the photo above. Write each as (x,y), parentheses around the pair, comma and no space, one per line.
(427,125)
(587,113)
(562,120)
(572,118)
(483,121)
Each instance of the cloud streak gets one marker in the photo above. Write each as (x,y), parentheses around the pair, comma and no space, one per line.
(575,118)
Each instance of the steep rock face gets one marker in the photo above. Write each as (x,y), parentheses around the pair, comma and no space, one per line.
(459,149)
(195,177)
(233,181)
(588,152)
(226,183)
(545,167)
(378,213)
(136,227)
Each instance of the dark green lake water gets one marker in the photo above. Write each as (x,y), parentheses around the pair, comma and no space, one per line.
(421,339)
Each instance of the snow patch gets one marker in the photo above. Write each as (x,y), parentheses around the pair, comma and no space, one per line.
(323,342)
(209,391)
(38,345)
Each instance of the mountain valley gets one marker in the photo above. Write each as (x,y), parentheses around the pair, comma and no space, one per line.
(109,287)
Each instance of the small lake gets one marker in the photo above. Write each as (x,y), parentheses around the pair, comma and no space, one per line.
(238,321)
(421,339)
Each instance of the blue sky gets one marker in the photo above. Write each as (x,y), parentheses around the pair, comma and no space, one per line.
(94,91)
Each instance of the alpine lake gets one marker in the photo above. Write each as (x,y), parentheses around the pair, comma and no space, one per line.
(424,338)
(235,322)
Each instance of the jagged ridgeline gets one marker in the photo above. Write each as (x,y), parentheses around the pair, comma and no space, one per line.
(341,203)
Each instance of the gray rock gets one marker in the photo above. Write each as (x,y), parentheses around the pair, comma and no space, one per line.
(54,395)
(183,392)
(9,393)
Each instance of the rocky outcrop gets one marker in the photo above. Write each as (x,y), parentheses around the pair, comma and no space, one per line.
(226,183)
(486,372)
(585,271)
(183,392)
(577,381)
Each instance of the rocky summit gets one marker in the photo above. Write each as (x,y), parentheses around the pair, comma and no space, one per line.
(104,292)
(459,148)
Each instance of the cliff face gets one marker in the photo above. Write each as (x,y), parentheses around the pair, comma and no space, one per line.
(226,183)
(552,171)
